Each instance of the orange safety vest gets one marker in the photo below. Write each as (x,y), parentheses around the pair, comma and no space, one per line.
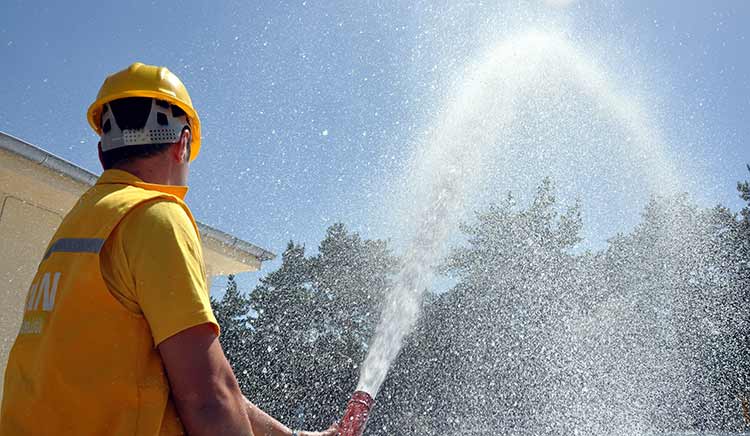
(82,363)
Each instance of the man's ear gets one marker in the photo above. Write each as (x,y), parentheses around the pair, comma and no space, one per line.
(185,145)
(181,149)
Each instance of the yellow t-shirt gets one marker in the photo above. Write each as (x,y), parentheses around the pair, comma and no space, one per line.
(84,360)
(153,264)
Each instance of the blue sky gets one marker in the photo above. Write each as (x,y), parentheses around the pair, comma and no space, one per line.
(309,108)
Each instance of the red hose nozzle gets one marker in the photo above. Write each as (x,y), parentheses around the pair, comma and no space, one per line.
(355,419)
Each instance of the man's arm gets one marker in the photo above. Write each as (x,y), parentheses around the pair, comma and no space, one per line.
(205,391)
(265,425)
(173,296)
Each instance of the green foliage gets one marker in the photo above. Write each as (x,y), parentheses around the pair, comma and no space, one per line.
(677,272)
(744,190)
(232,314)
(469,356)
(533,336)
(538,339)
(299,356)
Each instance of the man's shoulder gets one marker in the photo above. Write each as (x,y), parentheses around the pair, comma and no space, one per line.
(160,208)
(153,217)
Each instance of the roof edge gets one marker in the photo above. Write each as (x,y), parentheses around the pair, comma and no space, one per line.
(236,243)
(46,159)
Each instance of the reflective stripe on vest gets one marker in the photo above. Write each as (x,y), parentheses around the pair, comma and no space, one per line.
(75,245)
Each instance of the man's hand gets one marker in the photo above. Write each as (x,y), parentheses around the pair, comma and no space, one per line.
(265,425)
(333,430)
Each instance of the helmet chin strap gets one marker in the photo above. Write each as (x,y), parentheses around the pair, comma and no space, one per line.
(161,128)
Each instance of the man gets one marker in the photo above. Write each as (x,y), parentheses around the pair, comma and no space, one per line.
(118,336)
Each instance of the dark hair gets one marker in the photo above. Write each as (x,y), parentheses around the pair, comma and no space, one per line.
(132,113)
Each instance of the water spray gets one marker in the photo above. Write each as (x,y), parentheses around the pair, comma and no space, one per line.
(450,166)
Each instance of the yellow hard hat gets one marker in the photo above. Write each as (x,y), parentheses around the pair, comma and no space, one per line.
(140,80)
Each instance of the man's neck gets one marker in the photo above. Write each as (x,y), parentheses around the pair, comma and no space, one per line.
(147,173)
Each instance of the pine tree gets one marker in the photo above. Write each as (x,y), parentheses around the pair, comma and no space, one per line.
(232,314)
(674,284)
(744,190)
(281,329)
(532,339)
(314,318)
(513,292)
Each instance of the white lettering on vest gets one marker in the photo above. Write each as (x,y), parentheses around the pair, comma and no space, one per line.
(43,293)
(32,294)
(49,297)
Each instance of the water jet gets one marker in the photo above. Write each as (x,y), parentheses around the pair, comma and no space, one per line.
(479,129)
